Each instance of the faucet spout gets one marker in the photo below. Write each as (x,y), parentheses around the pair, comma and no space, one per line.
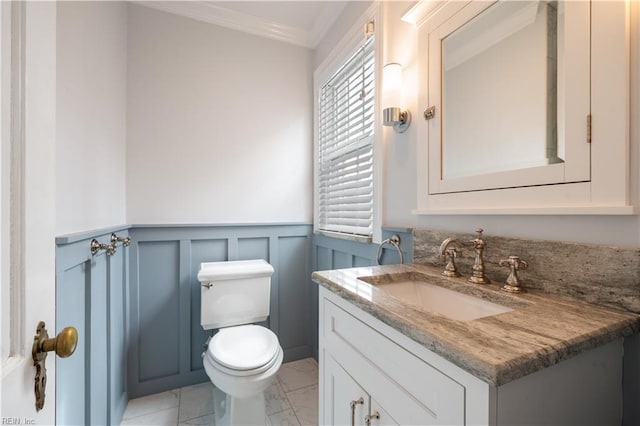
(445,245)
(449,255)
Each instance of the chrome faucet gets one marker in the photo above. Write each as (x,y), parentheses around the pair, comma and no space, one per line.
(450,254)
(477,276)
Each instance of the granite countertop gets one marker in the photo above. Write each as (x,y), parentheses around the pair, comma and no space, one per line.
(541,330)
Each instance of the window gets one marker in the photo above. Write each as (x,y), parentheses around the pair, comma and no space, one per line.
(345,146)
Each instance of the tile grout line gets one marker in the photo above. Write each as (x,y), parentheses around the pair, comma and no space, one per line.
(177,391)
(194,418)
(291,405)
(295,413)
(285,396)
(293,408)
(146,414)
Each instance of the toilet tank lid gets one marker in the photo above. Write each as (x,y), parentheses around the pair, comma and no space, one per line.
(234,270)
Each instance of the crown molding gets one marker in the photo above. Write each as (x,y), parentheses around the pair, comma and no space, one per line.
(214,14)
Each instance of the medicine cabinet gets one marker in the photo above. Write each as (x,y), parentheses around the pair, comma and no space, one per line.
(526,107)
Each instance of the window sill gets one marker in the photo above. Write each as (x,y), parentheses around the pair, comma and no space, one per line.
(350,237)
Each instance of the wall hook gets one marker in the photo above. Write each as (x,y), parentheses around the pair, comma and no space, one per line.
(125,240)
(96,246)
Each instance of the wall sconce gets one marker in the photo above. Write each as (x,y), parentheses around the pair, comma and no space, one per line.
(392,115)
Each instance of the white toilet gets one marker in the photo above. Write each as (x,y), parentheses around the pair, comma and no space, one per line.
(241,359)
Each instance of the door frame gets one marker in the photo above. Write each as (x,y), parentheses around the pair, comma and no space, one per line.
(28,190)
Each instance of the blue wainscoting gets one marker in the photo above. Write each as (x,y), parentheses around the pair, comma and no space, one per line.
(338,253)
(166,338)
(138,312)
(91,296)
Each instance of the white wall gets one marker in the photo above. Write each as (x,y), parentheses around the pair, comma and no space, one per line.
(91,115)
(219,124)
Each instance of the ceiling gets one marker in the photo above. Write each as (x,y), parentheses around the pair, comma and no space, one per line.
(299,22)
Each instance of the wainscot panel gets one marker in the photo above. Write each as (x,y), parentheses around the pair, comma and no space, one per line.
(90,295)
(138,311)
(117,328)
(166,339)
(158,309)
(337,253)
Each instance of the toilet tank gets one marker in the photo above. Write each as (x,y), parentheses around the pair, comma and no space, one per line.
(234,292)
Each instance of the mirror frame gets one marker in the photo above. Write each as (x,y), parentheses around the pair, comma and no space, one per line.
(574,109)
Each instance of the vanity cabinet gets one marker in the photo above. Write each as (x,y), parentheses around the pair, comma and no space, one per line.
(407,384)
(359,362)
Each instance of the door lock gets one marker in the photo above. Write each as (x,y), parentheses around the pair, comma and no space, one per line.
(64,344)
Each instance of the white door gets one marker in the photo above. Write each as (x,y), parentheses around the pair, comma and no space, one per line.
(27,214)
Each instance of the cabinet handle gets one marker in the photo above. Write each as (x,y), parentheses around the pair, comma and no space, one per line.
(368,417)
(353,404)
(430,112)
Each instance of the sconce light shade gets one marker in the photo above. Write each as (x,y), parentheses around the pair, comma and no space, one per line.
(392,84)
(392,114)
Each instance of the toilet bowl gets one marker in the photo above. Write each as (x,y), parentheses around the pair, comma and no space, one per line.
(242,362)
(241,359)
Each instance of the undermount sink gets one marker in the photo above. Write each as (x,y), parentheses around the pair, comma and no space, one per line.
(434,298)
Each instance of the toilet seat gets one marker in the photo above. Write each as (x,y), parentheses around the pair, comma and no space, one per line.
(243,350)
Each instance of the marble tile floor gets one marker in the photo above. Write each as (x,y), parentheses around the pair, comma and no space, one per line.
(291,400)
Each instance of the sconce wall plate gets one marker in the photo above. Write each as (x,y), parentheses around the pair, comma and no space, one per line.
(394,116)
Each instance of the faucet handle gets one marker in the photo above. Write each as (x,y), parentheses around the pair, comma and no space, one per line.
(477,242)
(514,263)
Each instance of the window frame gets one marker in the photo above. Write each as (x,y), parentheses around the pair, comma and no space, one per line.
(344,50)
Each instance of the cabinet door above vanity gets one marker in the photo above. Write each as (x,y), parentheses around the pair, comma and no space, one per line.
(513,89)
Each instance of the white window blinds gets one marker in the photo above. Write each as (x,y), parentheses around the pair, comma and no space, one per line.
(345,136)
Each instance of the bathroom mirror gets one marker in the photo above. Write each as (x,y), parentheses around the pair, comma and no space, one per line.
(503,76)
(499,90)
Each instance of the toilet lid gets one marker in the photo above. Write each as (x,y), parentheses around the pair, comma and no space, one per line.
(245,347)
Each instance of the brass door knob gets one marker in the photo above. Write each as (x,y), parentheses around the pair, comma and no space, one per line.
(64,344)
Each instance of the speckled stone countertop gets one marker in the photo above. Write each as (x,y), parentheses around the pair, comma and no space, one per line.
(541,330)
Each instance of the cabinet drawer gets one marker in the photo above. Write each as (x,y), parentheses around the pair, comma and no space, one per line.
(406,386)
